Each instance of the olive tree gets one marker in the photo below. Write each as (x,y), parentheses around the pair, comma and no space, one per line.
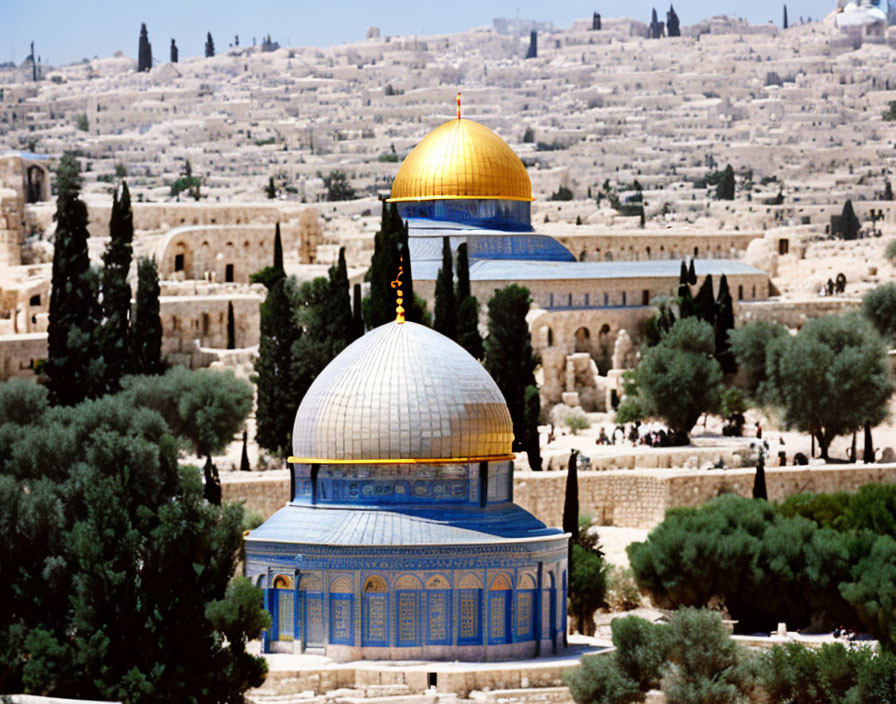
(831,379)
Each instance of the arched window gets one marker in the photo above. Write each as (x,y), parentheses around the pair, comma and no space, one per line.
(438,611)
(341,616)
(499,606)
(375,613)
(469,628)
(583,340)
(525,608)
(407,611)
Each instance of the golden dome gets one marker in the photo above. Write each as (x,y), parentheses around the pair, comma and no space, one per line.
(462,159)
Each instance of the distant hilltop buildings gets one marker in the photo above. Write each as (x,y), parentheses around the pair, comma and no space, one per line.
(522,27)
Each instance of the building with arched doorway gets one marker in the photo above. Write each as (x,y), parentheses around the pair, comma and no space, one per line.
(401,539)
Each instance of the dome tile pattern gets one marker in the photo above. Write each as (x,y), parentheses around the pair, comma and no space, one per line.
(402,392)
(462,159)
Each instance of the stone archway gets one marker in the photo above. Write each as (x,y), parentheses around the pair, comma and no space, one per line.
(582,340)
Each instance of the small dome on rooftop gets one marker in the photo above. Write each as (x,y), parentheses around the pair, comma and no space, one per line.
(402,391)
(462,159)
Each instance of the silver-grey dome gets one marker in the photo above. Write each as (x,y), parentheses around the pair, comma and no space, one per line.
(402,392)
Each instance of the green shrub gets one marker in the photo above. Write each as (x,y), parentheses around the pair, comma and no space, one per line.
(879,307)
(705,665)
(577,423)
(872,591)
(827,510)
(890,251)
(641,650)
(600,681)
(796,674)
(876,680)
(587,586)
(873,507)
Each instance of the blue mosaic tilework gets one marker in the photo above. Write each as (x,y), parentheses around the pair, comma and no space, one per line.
(470,632)
(375,620)
(286,616)
(512,215)
(314,618)
(408,618)
(438,615)
(525,614)
(341,622)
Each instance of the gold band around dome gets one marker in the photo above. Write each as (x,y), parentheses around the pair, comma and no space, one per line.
(443,460)
(412,198)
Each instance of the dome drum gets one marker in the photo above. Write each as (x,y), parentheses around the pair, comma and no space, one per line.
(508,215)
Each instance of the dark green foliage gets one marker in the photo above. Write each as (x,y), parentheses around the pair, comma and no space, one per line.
(271,190)
(794,674)
(444,318)
(187,182)
(244,455)
(338,186)
(21,402)
(276,403)
(209,46)
(278,248)
(764,568)
(785,25)
(678,379)
(563,193)
(75,367)
(337,308)
(683,274)
(211,485)
(872,507)
(826,510)
(600,681)
(231,327)
(872,591)
(357,314)
(267,276)
(849,224)
(879,306)
(587,585)
(144,51)
(876,680)
(532,400)
(725,189)
(379,306)
(571,499)
(661,321)
(673,27)
(759,489)
(749,345)
(90,548)
(415,307)
(468,335)
(724,323)
(705,303)
(705,665)
(508,354)
(692,274)
(830,379)
(202,408)
(146,327)
(116,291)
(641,650)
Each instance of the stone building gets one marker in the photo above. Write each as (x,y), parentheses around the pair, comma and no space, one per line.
(401,539)
(463,182)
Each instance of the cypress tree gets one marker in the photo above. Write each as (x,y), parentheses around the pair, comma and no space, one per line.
(850,223)
(467,315)
(415,307)
(725,189)
(509,357)
(144,51)
(231,327)
(692,274)
(445,311)
(116,290)
(785,17)
(533,441)
(209,46)
(683,274)
(278,249)
(357,316)
(686,307)
(212,490)
(705,303)
(74,357)
(174,52)
(244,456)
(379,306)
(337,314)
(273,370)
(571,499)
(868,454)
(759,490)
(146,326)
(723,323)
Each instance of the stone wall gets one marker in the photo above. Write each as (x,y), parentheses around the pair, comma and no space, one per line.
(628,498)
(793,313)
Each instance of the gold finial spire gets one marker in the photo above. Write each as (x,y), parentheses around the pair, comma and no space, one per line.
(399,311)
(458,105)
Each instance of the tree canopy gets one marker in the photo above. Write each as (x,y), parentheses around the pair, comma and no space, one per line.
(90,548)
(830,379)
(677,380)
(879,307)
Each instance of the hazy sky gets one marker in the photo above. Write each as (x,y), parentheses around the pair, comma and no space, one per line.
(69,30)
